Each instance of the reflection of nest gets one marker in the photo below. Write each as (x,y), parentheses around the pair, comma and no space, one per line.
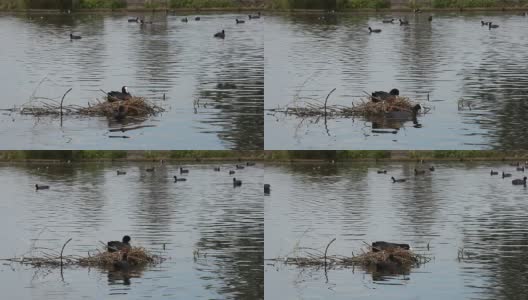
(136,106)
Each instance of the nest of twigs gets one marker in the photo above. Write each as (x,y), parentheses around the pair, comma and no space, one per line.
(136,106)
(365,108)
(397,257)
(136,257)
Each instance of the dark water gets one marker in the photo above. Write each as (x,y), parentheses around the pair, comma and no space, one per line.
(457,206)
(451,58)
(89,203)
(182,61)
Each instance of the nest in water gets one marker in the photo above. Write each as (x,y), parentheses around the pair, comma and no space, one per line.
(391,258)
(366,108)
(380,108)
(136,106)
(136,256)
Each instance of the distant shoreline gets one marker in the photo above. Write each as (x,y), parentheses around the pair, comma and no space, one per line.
(243,160)
(271,10)
(137,10)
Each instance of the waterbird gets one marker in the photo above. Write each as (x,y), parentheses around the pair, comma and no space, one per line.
(504,175)
(494,173)
(41,187)
(519,181)
(520,169)
(217,169)
(394,180)
(380,246)
(133,20)
(417,10)
(483,23)
(197,18)
(121,172)
(374,30)
(150,169)
(267,188)
(250,163)
(75,37)
(237,182)
(231,172)
(176,179)
(431,168)
(492,26)
(114,246)
(239,167)
(430,18)
(240,21)
(388,21)
(119,96)
(184,171)
(120,113)
(403,22)
(220,35)
(382,171)
(185,20)
(382,95)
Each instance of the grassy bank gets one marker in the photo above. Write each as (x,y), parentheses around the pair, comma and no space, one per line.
(96,155)
(277,156)
(386,4)
(122,4)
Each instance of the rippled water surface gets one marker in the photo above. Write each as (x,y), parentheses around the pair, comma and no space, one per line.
(451,58)
(458,206)
(90,203)
(213,88)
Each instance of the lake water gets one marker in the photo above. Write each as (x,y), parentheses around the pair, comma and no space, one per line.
(179,60)
(451,58)
(457,206)
(90,203)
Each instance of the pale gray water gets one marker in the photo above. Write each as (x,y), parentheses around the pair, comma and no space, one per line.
(90,203)
(458,206)
(451,58)
(181,60)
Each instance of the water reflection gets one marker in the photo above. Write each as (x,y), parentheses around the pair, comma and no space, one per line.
(459,206)
(169,62)
(436,63)
(89,202)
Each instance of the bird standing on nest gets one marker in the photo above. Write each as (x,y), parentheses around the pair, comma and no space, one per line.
(384,96)
(124,95)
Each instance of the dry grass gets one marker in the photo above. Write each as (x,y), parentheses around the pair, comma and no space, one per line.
(137,256)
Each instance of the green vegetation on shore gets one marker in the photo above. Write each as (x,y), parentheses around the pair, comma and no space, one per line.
(278,156)
(203,4)
(114,4)
(122,4)
(386,4)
